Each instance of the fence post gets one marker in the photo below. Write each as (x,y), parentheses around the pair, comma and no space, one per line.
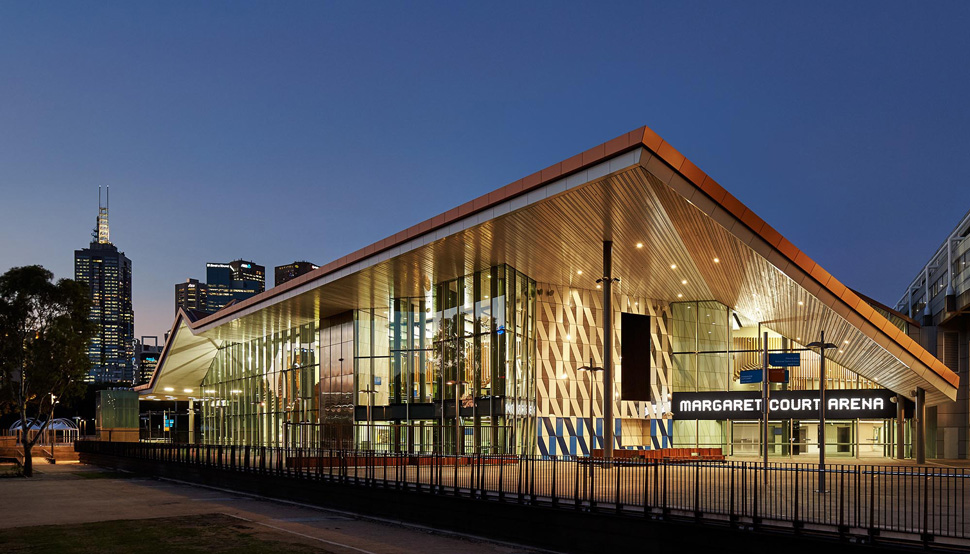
(733,518)
(796,524)
(873,532)
(576,501)
(843,529)
(926,536)
(616,499)
(697,491)
(501,471)
(555,496)
(754,507)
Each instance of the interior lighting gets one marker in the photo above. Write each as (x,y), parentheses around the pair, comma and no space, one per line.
(639,245)
(673,266)
(841,352)
(800,303)
(683,281)
(681,296)
(846,342)
(717,260)
(579,272)
(598,287)
(569,337)
(169,389)
(187,390)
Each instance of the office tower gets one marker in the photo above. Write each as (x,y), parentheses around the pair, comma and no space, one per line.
(192,296)
(107,273)
(146,358)
(291,271)
(236,280)
(225,282)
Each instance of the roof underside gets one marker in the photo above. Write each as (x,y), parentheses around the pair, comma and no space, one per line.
(636,194)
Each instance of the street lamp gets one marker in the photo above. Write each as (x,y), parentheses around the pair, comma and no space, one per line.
(370,425)
(50,424)
(821,346)
(592,426)
(457,414)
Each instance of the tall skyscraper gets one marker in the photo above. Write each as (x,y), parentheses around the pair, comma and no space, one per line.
(107,273)
(291,271)
(236,280)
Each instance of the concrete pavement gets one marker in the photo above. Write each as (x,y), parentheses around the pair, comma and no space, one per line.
(77,493)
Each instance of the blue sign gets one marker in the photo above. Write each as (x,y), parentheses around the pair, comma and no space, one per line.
(377,381)
(750,376)
(784,359)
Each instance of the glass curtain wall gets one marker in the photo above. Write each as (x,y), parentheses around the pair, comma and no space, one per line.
(263,391)
(712,345)
(468,342)
(484,346)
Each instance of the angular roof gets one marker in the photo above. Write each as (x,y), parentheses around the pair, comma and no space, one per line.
(635,187)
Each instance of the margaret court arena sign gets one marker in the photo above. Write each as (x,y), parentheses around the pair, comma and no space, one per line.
(840,404)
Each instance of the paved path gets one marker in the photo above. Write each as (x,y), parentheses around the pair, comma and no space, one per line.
(76,493)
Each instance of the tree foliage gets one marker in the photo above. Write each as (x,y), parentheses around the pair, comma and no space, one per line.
(44,331)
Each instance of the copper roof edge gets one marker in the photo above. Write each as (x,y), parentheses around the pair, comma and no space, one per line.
(642,137)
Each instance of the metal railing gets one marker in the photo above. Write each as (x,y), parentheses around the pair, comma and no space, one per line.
(864,502)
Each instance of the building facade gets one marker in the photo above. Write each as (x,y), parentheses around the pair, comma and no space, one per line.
(192,296)
(939,296)
(506,326)
(226,282)
(146,359)
(107,273)
(284,273)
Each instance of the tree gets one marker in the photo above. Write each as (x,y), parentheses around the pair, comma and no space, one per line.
(44,332)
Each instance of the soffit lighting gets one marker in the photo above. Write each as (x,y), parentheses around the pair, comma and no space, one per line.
(579,272)
(673,266)
(639,245)
(717,260)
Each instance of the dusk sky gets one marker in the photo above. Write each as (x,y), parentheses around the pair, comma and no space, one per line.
(279,131)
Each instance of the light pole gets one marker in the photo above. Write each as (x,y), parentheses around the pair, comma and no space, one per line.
(457,414)
(822,346)
(591,368)
(50,424)
(370,425)
(607,282)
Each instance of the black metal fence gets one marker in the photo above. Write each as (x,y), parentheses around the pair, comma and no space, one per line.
(864,502)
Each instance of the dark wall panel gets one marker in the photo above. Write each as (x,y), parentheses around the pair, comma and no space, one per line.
(635,352)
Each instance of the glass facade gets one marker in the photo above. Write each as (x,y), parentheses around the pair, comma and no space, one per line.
(263,391)
(468,342)
(711,345)
(390,378)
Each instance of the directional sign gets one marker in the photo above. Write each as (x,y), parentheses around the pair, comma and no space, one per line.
(777,375)
(750,376)
(784,359)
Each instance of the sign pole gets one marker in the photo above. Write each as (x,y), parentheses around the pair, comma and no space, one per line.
(764,401)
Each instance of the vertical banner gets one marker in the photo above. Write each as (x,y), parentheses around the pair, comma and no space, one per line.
(635,357)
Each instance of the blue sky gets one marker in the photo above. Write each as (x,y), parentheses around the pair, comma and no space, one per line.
(306,130)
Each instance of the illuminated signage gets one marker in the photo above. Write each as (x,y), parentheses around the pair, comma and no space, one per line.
(840,404)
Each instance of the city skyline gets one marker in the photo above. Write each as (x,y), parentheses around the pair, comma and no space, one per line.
(406,114)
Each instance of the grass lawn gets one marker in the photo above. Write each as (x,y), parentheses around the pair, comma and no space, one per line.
(204,533)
